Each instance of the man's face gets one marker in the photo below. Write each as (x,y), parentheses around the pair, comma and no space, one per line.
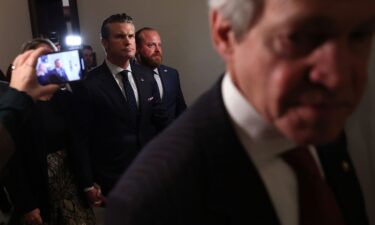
(150,50)
(88,58)
(303,65)
(58,63)
(120,45)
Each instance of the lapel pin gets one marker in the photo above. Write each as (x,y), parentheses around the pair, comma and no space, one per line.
(345,166)
(142,79)
(150,98)
(165,70)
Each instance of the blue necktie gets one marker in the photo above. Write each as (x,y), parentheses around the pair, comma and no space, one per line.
(130,97)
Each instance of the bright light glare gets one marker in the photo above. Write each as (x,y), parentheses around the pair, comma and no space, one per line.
(73,40)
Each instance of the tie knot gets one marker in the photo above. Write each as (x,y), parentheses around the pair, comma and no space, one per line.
(124,73)
(301,161)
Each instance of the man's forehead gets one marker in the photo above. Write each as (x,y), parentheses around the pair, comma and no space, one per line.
(150,34)
(122,27)
(322,13)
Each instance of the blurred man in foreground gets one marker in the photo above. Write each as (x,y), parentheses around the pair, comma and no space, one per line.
(265,145)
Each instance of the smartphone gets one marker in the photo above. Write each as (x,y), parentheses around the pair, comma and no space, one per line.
(60,67)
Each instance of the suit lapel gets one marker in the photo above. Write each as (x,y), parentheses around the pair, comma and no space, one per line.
(109,86)
(139,80)
(341,175)
(236,191)
(163,73)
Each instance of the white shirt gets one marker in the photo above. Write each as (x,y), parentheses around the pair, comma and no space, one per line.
(115,71)
(158,81)
(264,144)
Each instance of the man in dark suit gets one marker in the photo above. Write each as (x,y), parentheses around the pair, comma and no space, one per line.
(57,75)
(265,145)
(120,111)
(89,57)
(150,54)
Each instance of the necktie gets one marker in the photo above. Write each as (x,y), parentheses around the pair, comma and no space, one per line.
(130,97)
(317,203)
(160,86)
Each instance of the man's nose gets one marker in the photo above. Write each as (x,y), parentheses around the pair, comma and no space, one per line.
(332,64)
(126,40)
(157,48)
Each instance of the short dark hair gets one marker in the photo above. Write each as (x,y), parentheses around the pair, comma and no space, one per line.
(88,47)
(116,18)
(138,34)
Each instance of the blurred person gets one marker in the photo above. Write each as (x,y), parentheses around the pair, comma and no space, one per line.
(266,145)
(16,101)
(88,57)
(150,54)
(40,182)
(32,44)
(42,67)
(57,75)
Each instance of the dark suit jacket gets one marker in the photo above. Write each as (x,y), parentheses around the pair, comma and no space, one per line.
(110,140)
(47,130)
(173,99)
(2,76)
(54,76)
(14,107)
(197,172)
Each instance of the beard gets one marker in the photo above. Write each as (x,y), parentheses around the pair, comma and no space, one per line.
(152,61)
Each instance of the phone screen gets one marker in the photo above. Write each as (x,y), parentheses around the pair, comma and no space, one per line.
(59,67)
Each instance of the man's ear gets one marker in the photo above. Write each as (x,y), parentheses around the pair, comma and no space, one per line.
(105,44)
(222,34)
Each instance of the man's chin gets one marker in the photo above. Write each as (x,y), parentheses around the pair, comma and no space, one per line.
(313,137)
(316,133)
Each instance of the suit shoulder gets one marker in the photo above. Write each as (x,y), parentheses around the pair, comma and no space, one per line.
(97,70)
(199,119)
(167,69)
(141,70)
(96,73)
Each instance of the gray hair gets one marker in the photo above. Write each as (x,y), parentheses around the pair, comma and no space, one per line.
(240,13)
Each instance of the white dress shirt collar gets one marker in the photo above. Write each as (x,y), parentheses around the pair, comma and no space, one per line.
(263,140)
(116,69)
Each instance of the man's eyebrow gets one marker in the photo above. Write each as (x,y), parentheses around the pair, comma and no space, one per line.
(312,22)
(369,24)
(325,23)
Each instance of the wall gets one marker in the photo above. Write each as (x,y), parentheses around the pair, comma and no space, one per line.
(183,26)
(15,28)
